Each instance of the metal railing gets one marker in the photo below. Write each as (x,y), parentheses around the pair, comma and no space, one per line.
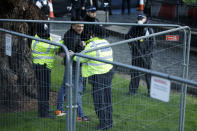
(183,44)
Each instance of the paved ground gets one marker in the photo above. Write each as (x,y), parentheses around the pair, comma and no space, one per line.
(168,61)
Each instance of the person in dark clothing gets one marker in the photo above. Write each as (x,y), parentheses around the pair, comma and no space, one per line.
(99,4)
(109,6)
(44,6)
(72,39)
(141,52)
(100,76)
(102,97)
(91,29)
(124,3)
(92,3)
(43,58)
(78,6)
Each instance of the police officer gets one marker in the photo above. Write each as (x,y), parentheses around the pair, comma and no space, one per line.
(100,76)
(141,52)
(77,7)
(44,6)
(124,3)
(91,29)
(108,8)
(43,59)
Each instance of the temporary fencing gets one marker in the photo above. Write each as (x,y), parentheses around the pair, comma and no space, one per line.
(139,111)
(19,86)
(139,114)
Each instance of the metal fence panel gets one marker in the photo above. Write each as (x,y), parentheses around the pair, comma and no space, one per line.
(130,112)
(138,111)
(19,85)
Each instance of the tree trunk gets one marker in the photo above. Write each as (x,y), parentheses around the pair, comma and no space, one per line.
(17,77)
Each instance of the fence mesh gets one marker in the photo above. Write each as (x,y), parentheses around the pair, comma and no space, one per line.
(137,111)
(130,111)
(19,87)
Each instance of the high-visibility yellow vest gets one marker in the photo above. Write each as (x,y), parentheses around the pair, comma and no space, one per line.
(91,67)
(43,53)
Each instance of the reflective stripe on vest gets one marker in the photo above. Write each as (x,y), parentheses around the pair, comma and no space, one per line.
(43,53)
(48,49)
(94,45)
(37,52)
(105,58)
(43,57)
(93,67)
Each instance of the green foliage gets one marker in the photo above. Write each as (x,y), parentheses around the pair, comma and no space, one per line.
(57,74)
(190,2)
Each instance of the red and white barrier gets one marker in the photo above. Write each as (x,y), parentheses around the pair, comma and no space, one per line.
(163,10)
(192,13)
(51,14)
(169,11)
(141,5)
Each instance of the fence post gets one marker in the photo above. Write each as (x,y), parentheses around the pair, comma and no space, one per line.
(76,85)
(185,75)
(69,97)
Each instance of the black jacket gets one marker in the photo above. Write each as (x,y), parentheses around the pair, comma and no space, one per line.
(76,3)
(137,47)
(73,41)
(93,29)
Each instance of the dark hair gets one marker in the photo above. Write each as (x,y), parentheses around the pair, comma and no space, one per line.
(45,8)
(141,16)
(43,30)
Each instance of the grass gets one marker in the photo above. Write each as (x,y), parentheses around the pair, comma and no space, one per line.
(57,74)
(136,112)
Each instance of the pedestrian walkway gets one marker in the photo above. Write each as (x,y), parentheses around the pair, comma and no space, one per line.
(117,17)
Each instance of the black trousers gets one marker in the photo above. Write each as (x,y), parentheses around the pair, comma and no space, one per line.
(140,59)
(76,13)
(43,79)
(102,98)
(124,3)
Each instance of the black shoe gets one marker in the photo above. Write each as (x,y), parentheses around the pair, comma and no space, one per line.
(48,116)
(148,93)
(131,93)
(86,118)
(51,116)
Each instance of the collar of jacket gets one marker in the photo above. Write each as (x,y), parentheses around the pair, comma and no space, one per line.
(88,18)
(50,38)
(92,39)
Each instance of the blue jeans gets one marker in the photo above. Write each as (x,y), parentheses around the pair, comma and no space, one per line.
(62,94)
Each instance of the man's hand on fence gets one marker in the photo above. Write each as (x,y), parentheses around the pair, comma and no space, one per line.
(83,43)
(62,54)
(71,53)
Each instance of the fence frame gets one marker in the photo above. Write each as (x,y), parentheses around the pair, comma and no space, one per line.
(67,59)
(70,119)
(151,72)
